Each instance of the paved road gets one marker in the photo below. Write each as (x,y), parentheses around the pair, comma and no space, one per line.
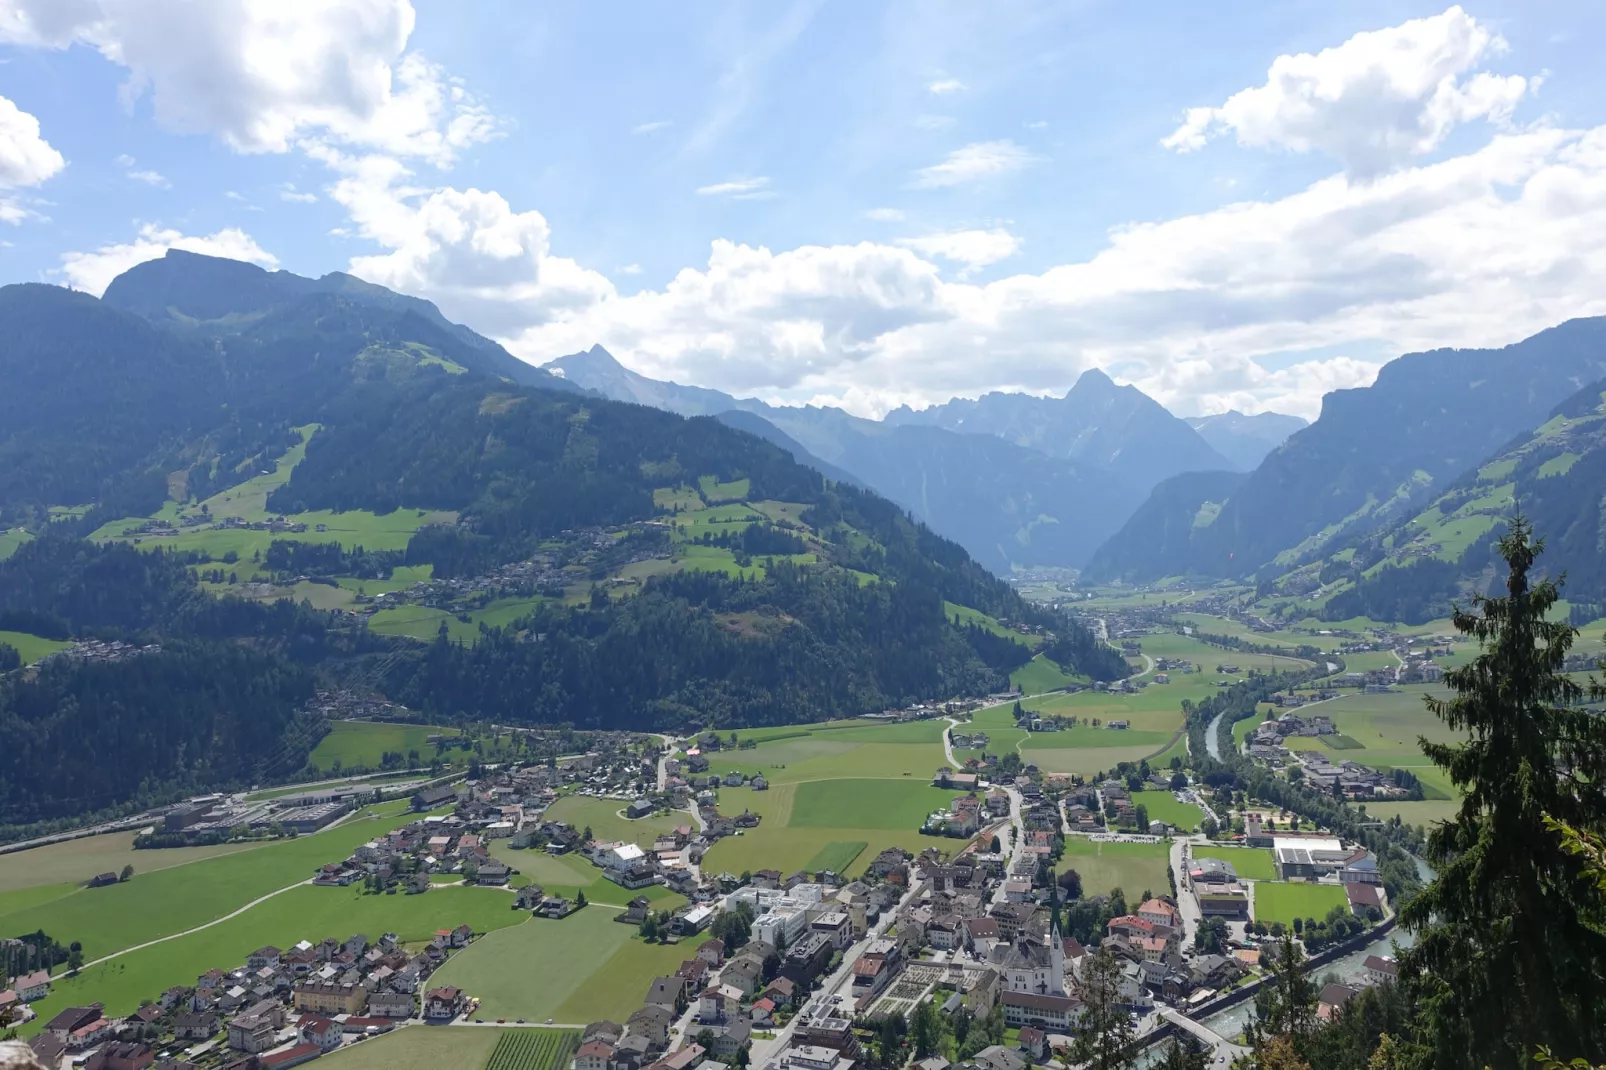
(1187,905)
(765,1050)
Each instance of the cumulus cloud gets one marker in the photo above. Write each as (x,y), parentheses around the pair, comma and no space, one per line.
(94,271)
(466,249)
(266,74)
(132,169)
(288,192)
(979,160)
(944,86)
(26,158)
(1372,102)
(1479,249)
(973,248)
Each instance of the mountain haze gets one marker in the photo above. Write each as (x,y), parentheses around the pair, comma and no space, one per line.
(1245,440)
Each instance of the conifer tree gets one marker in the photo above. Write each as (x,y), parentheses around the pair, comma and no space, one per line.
(1505,958)
(1104,1031)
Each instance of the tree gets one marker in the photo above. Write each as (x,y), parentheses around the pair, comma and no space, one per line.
(586,835)
(1183,1054)
(1142,813)
(128,871)
(1104,1037)
(75,959)
(1506,958)
(1208,827)
(1070,883)
(925,1029)
(1285,1006)
(579,899)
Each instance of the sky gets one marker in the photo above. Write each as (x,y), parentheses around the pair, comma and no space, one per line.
(1239,205)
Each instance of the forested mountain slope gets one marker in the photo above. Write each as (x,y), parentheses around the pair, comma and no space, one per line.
(1415,569)
(1378,453)
(1006,503)
(475,548)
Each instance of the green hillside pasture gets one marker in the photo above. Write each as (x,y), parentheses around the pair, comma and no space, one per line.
(73,862)
(302,913)
(1178,749)
(714,520)
(1104,867)
(1163,806)
(31,647)
(1251,863)
(249,500)
(602,817)
(364,743)
(421,1048)
(357,527)
(577,970)
(837,856)
(534,1049)
(172,900)
(11,539)
(968,616)
(400,579)
(1040,675)
(1275,901)
(683,497)
(424,623)
(717,492)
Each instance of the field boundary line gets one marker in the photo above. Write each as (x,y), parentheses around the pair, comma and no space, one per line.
(188,932)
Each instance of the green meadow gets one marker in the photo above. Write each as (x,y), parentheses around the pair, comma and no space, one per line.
(1163,806)
(1104,867)
(364,743)
(1250,863)
(31,647)
(603,817)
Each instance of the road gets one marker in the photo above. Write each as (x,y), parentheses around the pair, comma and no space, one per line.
(765,1050)
(1187,905)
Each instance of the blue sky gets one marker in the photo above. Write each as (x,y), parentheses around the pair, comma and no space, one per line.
(855,204)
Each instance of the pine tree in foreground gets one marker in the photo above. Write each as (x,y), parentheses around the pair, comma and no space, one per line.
(1506,958)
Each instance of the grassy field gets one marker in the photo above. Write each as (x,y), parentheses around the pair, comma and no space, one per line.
(1163,806)
(568,874)
(871,804)
(606,969)
(172,900)
(602,816)
(31,647)
(1284,902)
(421,1048)
(75,861)
(837,856)
(1251,863)
(302,913)
(1040,675)
(10,539)
(364,743)
(1132,867)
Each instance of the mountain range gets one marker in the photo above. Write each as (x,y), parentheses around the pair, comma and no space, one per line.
(1376,458)
(1017,480)
(293,484)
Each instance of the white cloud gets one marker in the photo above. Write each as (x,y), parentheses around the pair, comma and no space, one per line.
(26,159)
(1372,102)
(1038,124)
(647,128)
(288,192)
(982,159)
(944,86)
(973,248)
(265,75)
(467,250)
(94,271)
(630,269)
(1476,250)
(735,188)
(132,170)
(884,215)
(933,122)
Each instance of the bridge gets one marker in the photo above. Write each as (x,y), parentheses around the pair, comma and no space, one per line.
(1224,1049)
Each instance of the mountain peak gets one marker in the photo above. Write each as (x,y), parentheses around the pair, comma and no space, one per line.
(1094,379)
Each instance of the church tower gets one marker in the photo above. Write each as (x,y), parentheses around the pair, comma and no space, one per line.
(1056,948)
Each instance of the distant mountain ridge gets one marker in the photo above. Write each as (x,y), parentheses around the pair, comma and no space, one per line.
(184,290)
(1246,440)
(1006,503)
(1377,454)
(1116,428)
